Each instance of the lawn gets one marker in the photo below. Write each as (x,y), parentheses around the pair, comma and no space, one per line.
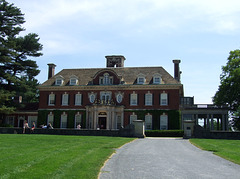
(228,149)
(52,156)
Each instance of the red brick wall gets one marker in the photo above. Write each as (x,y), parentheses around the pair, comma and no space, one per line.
(173,99)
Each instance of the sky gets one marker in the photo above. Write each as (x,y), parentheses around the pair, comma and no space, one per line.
(80,33)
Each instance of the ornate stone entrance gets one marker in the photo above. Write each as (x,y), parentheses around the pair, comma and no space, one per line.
(100,116)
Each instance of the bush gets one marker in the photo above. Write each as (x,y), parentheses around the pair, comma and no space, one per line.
(164,133)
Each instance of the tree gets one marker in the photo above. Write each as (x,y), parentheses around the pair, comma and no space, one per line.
(229,89)
(17,71)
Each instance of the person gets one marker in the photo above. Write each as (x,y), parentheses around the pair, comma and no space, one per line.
(78,126)
(43,126)
(33,127)
(49,126)
(25,126)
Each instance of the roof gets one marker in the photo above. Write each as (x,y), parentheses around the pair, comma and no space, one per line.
(127,74)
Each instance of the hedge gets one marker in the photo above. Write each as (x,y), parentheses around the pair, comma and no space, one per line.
(164,133)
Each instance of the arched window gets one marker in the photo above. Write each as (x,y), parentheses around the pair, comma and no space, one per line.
(164,122)
(148,122)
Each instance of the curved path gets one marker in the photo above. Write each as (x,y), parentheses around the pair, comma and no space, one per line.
(166,158)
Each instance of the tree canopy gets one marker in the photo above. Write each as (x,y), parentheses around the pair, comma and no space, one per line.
(229,89)
(17,70)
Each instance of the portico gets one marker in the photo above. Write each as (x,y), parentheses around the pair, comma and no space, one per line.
(104,116)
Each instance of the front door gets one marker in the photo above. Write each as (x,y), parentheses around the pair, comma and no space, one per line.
(102,122)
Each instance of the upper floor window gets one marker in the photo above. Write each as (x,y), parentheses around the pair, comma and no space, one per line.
(148,99)
(51,99)
(106,79)
(73,80)
(157,79)
(164,99)
(141,79)
(133,99)
(78,99)
(105,96)
(59,80)
(65,99)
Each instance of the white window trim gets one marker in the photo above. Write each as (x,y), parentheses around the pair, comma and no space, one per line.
(51,97)
(154,79)
(59,78)
(133,99)
(76,118)
(63,117)
(164,99)
(148,121)
(133,117)
(78,99)
(139,81)
(148,99)
(50,118)
(65,99)
(162,118)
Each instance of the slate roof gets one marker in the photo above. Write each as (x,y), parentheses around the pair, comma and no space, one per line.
(127,74)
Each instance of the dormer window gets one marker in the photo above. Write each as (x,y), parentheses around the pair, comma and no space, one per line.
(106,79)
(73,80)
(59,81)
(157,79)
(141,79)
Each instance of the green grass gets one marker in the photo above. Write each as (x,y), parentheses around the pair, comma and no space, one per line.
(52,156)
(228,149)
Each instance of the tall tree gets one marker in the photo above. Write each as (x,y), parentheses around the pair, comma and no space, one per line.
(229,89)
(17,71)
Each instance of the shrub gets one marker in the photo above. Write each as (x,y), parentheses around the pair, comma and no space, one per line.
(164,133)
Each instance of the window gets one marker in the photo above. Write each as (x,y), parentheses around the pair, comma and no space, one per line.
(148,99)
(133,99)
(141,79)
(164,99)
(73,80)
(92,98)
(133,117)
(31,120)
(59,80)
(78,99)
(64,120)
(78,120)
(164,122)
(119,98)
(51,99)
(50,118)
(119,122)
(65,99)
(10,120)
(105,96)
(148,122)
(157,79)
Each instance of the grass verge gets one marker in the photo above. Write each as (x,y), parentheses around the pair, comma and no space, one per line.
(52,156)
(228,149)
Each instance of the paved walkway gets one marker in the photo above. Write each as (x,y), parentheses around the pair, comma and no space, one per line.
(152,158)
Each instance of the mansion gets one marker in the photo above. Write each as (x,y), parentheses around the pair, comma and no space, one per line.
(111,97)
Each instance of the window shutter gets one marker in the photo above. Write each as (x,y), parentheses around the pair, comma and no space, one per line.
(144,98)
(168,98)
(152,98)
(137,99)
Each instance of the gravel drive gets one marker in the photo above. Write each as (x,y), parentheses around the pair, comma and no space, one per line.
(151,158)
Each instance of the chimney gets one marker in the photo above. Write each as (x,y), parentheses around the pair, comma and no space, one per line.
(177,71)
(115,61)
(51,70)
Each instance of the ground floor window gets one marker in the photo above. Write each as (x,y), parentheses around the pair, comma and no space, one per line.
(10,120)
(148,122)
(133,117)
(63,120)
(164,122)
(78,120)
(31,120)
(50,119)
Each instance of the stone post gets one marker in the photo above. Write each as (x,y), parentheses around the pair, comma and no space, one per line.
(139,128)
